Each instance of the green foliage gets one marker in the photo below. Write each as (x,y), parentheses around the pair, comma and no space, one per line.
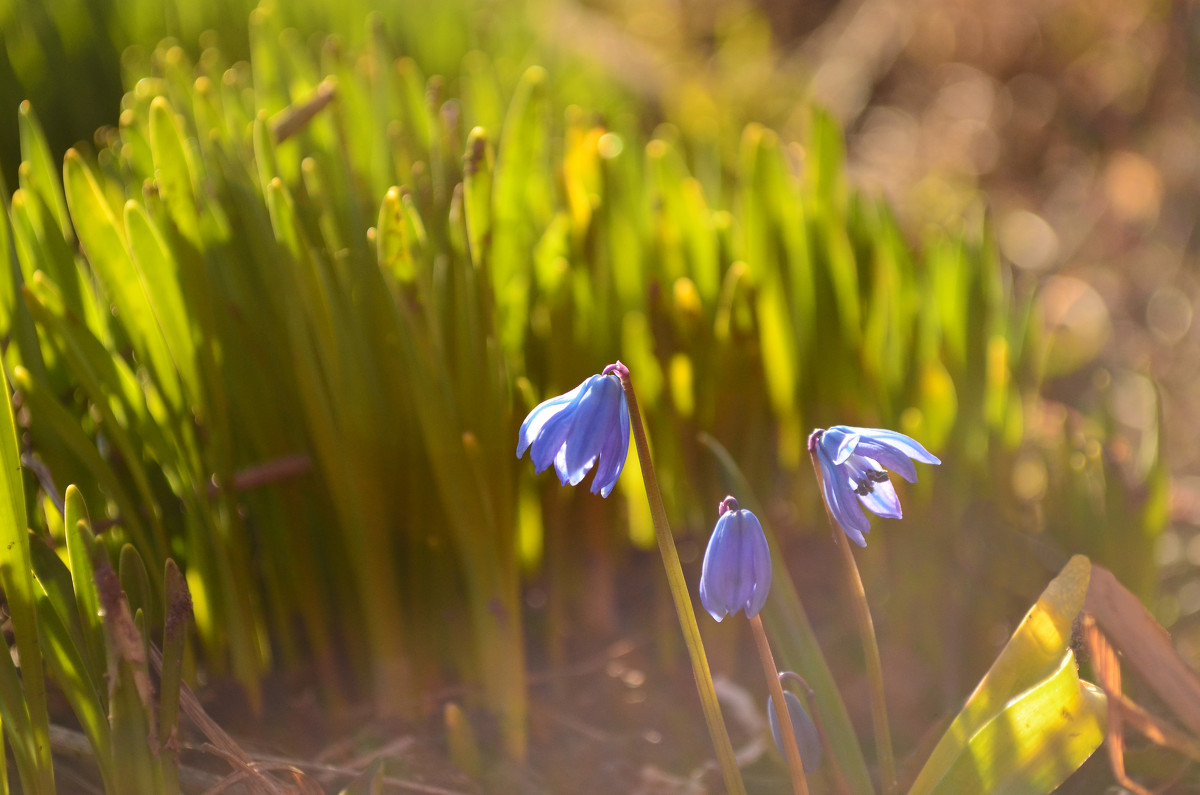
(97,655)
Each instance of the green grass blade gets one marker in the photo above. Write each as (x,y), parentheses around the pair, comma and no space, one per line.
(163,283)
(15,713)
(31,743)
(135,581)
(103,240)
(54,579)
(51,413)
(80,549)
(77,681)
(393,249)
(78,677)
(43,171)
(477,195)
(175,628)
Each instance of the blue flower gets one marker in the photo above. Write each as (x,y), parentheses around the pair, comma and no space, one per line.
(854,463)
(587,426)
(737,564)
(808,740)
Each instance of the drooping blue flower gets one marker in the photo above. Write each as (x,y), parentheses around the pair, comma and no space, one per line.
(854,463)
(736,574)
(587,426)
(808,740)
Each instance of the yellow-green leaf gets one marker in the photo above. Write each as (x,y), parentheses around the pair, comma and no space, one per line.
(1033,654)
(1034,743)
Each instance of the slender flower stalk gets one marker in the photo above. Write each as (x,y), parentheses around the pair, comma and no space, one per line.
(681,595)
(851,465)
(791,750)
(866,629)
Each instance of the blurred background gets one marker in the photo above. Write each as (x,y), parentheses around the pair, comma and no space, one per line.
(998,258)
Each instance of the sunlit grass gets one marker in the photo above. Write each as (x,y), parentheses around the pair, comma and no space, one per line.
(331,254)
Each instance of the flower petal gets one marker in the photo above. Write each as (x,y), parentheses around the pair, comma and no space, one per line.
(583,442)
(566,476)
(741,552)
(759,554)
(575,430)
(883,501)
(716,575)
(614,453)
(555,430)
(839,496)
(897,441)
(836,444)
(889,458)
(846,448)
(536,420)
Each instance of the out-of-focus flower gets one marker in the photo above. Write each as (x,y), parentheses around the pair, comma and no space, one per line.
(587,426)
(808,740)
(854,463)
(736,574)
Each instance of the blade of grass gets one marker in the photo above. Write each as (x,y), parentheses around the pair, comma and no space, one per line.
(31,742)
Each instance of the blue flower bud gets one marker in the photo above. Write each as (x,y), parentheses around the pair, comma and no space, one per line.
(808,740)
(737,564)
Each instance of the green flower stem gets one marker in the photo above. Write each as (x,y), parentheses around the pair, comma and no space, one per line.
(791,751)
(683,600)
(866,628)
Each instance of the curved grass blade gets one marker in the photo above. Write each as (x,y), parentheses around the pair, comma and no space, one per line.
(31,743)
(77,680)
(80,548)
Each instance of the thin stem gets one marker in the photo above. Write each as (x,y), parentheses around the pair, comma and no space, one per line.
(791,751)
(681,596)
(866,628)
